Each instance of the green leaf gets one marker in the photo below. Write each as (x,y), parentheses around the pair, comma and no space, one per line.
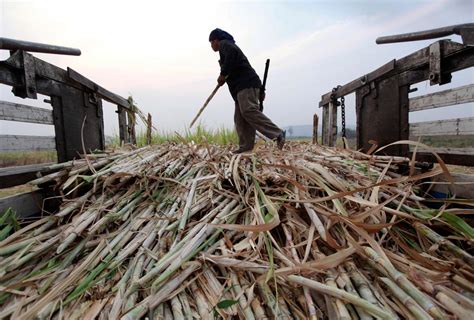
(226,303)
(88,179)
(458,224)
(455,222)
(5,232)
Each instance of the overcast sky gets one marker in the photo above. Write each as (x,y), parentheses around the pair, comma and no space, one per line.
(158,51)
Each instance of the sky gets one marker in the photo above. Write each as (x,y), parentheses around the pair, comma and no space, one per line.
(158,52)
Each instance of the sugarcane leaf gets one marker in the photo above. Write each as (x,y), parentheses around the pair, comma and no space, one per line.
(5,232)
(5,216)
(455,222)
(88,179)
(4,297)
(226,303)
(458,224)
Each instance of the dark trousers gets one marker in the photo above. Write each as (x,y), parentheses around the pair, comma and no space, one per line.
(248,118)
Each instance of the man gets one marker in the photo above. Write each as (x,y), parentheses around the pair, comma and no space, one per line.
(244,86)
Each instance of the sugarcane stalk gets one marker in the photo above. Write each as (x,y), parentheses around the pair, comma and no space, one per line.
(436,238)
(340,294)
(176,309)
(406,300)
(453,307)
(201,302)
(240,296)
(162,294)
(406,285)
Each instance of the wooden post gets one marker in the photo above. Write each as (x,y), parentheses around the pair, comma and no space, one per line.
(325,126)
(131,127)
(315,128)
(148,130)
(122,119)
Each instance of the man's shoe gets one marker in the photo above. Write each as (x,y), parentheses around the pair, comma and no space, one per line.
(280,140)
(241,150)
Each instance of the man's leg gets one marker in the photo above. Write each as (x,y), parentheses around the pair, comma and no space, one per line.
(250,111)
(245,132)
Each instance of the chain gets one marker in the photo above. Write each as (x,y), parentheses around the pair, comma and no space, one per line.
(343,116)
(343,109)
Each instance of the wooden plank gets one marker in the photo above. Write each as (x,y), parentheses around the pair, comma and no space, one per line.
(460,151)
(455,56)
(25,204)
(457,156)
(46,70)
(357,83)
(464,94)
(463,185)
(25,143)
(459,126)
(104,93)
(14,176)
(23,113)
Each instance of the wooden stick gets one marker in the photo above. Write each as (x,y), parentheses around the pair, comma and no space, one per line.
(148,129)
(205,105)
(315,128)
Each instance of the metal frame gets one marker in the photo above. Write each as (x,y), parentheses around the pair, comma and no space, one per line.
(76,115)
(382,103)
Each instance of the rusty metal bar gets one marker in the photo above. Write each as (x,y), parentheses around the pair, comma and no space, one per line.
(13,44)
(426,34)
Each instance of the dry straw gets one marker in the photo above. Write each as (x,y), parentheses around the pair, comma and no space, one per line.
(183,230)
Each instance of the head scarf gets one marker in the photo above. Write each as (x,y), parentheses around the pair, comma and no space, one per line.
(220,35)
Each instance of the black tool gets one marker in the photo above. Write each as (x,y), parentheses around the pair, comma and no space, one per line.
(265,75)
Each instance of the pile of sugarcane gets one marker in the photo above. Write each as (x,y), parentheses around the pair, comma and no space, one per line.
(183,231)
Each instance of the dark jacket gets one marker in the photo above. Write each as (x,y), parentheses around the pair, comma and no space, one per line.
(234,65)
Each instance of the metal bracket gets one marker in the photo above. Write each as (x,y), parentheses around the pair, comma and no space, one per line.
(435,63)
(436,74)
(90,99)
(27,63)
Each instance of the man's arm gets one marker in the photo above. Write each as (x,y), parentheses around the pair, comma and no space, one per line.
(228,54)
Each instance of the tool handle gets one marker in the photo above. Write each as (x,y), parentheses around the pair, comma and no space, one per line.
(205,105)
(265,75)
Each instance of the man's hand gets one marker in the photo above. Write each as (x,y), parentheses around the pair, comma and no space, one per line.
(221,80)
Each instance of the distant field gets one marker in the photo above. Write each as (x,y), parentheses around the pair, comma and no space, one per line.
(449,141)
(21,158)
(15,190)
(200,134)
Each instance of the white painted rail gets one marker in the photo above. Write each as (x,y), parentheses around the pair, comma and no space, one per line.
(464,94)
(26,143)
(23,113)
(450,127)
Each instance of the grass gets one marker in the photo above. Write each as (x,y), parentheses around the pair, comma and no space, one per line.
(6,192)
(21,158)
(200,134)
(466,141)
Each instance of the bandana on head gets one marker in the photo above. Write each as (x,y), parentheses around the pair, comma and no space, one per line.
(220,35)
